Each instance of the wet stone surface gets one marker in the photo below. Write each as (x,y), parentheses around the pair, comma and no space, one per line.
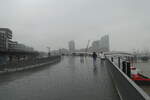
(74,78)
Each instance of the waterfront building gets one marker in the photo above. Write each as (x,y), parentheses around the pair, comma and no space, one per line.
(63,51)
(104,43)
(101,45)
(6,42)
(71,45)
(5,38)
(7,45)
(12,45)
(22,47)
(96,46)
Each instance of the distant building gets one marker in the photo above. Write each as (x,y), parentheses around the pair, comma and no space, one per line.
(6,42)
(12,44)
(104,43)
(96,46)
(23,47)
(101,45)
(71,45)
(5,38)
(63,51)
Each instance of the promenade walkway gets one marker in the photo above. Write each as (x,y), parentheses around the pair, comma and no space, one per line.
(74,78)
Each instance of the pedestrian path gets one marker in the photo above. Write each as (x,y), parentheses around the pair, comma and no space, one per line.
(74,78)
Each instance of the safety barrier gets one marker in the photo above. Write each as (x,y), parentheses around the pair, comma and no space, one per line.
(27,64)
(126,88)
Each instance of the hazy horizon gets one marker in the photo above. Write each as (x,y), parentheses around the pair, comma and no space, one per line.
(42,23)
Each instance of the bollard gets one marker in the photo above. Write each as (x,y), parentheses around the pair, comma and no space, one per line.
(124,66)
(119,62)
(128,69)
(112,59)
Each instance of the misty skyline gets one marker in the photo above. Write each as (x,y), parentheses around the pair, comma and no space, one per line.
(42,23)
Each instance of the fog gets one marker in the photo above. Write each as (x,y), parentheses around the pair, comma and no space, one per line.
(42,23)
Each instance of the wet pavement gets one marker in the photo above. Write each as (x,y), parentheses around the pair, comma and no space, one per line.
(74,78)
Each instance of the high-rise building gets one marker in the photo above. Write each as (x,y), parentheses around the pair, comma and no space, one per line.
(12,44)
(71,45)
(96,46)
(7,43)
(104,43)
(101,45)
(5,38)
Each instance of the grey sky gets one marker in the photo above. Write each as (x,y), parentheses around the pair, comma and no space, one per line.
(41,23)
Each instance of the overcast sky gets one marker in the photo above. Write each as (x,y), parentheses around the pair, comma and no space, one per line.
(42,23)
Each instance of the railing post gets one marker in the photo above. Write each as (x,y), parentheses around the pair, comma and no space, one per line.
(112,59)
(128,69)
(124,66)
(119,62)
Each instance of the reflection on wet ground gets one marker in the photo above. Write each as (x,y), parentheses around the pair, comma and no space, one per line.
(71,79)
(82,59)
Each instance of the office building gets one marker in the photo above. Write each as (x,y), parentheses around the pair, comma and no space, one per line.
(22,47)
(5,38)
(104,43)
(101,45)
(71,46)
(6,42)
(96,46)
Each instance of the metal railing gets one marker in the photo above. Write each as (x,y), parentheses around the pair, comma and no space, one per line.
(26,63)
(126,88)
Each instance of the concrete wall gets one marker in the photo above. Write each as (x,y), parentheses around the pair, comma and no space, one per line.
(126,88)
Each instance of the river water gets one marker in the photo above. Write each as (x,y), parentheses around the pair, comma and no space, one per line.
(144,68)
